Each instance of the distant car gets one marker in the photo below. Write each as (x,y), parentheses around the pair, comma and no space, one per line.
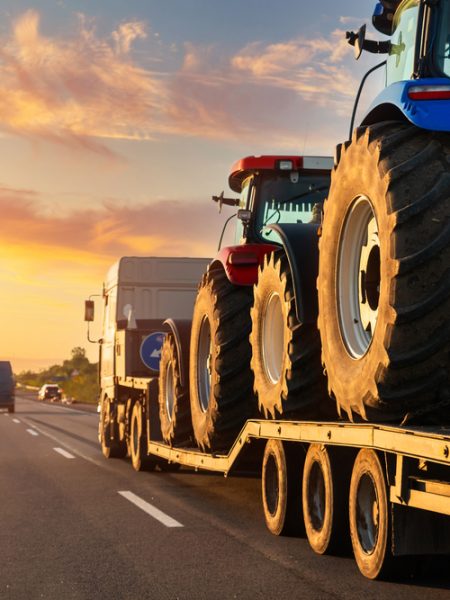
(49,391)
(7,386)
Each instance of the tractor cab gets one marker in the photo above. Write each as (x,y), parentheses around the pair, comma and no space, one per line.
(277,190)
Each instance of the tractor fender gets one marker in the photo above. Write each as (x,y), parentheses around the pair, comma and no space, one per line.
(181,331)
(301,245)
(394,103)
(241,263)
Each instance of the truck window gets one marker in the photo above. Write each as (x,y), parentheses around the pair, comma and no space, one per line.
(400,63)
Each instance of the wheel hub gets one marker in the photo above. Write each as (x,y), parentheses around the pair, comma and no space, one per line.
(359,277)
(272,341)
(204,364)
(170,393)
(367,514)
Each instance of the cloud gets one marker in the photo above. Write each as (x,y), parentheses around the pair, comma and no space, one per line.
(84,90)
(73,90)
(97,237)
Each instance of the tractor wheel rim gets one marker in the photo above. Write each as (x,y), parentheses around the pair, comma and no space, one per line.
(170,392)
(272,342)
(359,277)
(204,364)
(367,514)
(316,497)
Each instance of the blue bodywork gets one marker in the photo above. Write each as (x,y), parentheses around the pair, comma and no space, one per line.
(426,114)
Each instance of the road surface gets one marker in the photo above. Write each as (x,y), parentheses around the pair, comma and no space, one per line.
(77,526)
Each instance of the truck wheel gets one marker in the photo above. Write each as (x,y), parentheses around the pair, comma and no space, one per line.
(174,407)
(281,488)
(138,441)
(285,353)
(384,278)
(112,447)
(369,513)
(324,498)
(221,381)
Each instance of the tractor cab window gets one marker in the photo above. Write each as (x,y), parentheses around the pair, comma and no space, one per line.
(244,202)
(442,47)
(288,198)
(400,63)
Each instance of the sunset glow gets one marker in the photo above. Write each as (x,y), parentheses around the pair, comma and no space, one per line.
(118,121)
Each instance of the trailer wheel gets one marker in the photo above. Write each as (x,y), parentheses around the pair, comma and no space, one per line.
(384,293)
(324,496)
(174,407)
(370,520)
(281,488)
(138,442)
(221,381)
(285,353)
(108,428)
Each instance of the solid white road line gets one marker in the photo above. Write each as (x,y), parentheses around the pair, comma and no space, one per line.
(32,432)
(151,510)
(16,421)
(63,453)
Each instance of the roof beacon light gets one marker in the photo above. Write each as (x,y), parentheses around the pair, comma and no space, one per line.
(286,165)
(429,92)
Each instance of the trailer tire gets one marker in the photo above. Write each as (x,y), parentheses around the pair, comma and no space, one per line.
(369,515)
(138,441)
(221,381)
(281,488)
(289,378)
(384,277)
(325,489)
(112,446)
(173,397)
(12,408)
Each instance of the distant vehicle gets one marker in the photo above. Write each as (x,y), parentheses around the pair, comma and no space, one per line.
(49,391)
(7,386)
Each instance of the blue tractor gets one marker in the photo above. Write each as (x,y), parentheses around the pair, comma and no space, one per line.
(384,259)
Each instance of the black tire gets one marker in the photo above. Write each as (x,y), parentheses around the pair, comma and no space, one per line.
(370,517)
(221,382)
(108,431)
(12,408)
(281,488)
(140,461)
(289,378)
(174,405)
(326,478)
(384,275)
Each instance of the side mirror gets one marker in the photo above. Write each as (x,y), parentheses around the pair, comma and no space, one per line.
(244,215)
(89,310)
(359,41)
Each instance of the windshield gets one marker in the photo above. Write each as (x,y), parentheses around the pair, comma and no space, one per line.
(400,63)
(288,199)
(442,47)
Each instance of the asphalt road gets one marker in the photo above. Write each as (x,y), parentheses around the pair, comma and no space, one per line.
(74,525)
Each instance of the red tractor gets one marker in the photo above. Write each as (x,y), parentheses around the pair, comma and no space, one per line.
(253,342)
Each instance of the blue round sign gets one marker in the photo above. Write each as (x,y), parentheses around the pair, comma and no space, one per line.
(151,350)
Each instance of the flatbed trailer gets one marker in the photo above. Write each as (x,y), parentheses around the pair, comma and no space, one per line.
(415,462)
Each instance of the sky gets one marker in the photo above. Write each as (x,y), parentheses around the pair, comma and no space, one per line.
(119,120)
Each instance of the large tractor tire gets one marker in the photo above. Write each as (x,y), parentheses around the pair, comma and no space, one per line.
(221,382)
(174,407)
(384,275)
(285,360)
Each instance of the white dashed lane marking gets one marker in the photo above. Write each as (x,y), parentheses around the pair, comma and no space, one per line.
(32,432)
(64,453)
(151,510)
(16,421)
